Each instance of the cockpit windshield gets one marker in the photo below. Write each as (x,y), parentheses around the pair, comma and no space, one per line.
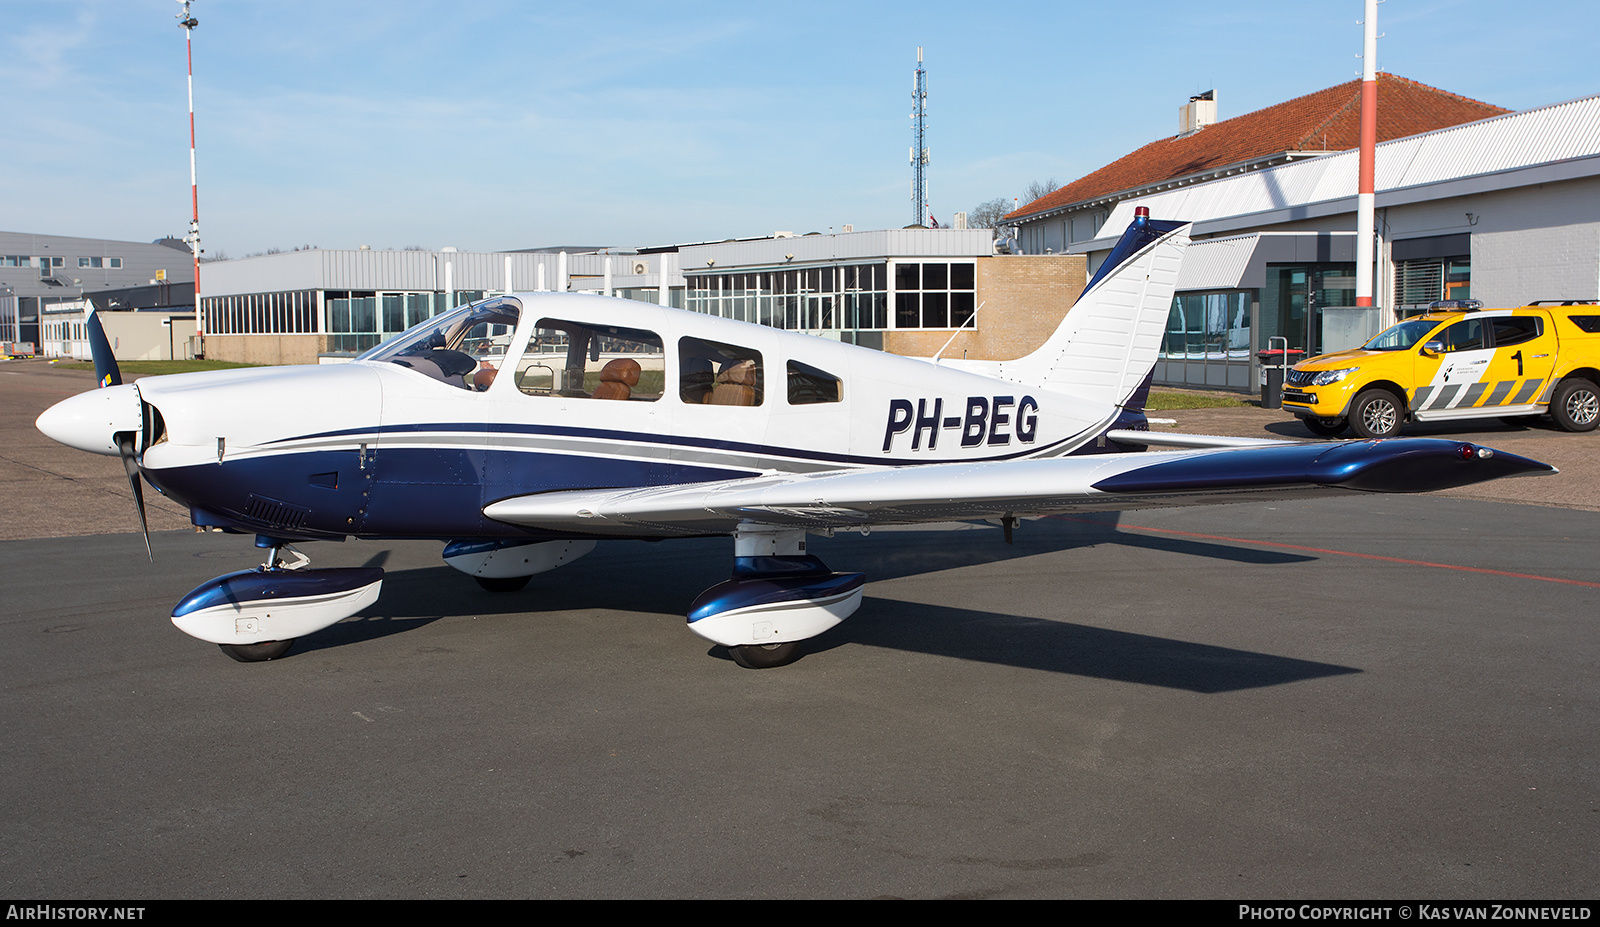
(464,347)
(1403,336)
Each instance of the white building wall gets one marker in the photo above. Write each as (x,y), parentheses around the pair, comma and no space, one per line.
(1535,242)
(1517,267)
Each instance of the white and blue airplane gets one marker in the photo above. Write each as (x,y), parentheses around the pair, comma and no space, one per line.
(523,429)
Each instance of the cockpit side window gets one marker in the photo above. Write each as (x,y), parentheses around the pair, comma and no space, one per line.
(1466,335)
(577,360)
(718,374)
(465,347)
(809,385)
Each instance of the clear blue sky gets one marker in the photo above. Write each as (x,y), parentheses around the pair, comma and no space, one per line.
(488,124)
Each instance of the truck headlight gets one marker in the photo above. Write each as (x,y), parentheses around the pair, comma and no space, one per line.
(1332,376)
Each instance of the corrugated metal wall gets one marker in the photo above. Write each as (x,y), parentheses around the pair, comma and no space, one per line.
(883,243)
(328,269)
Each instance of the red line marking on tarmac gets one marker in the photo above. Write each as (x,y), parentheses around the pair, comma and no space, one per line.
(1348,553)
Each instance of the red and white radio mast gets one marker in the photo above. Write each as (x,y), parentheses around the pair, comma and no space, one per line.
(188,22)
(1366,200)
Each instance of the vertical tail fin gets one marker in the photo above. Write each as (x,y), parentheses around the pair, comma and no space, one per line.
(1106,347)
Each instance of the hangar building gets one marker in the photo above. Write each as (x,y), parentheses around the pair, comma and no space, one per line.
(296,307)
(45,278)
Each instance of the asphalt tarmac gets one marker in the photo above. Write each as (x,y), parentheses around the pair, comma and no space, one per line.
(1375,697)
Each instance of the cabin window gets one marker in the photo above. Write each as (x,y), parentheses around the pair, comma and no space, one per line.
(718,374)
(464,348)
(578,360)
(1515,329)
(808,385)
(1466,335)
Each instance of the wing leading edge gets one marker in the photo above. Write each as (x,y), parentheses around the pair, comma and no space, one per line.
(999,489)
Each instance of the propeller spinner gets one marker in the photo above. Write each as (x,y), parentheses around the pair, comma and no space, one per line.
(103,421)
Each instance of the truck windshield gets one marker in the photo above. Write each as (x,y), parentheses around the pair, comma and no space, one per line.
(1403,336)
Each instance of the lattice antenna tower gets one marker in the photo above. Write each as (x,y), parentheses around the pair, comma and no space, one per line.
(919,144)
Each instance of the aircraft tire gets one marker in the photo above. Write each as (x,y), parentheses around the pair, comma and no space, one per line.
(502,583)
(1576,405)
(257,653)
(765,656)
(1326,427)
(1377,413)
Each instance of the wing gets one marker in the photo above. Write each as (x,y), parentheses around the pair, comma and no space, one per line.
(1016,488)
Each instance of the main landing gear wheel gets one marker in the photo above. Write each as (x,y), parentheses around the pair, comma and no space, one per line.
(1326,427)
(502,583)
(1576,405)
(1376,413)
(257,653)
(765,656)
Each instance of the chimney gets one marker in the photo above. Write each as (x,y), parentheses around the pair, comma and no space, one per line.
(1198,113)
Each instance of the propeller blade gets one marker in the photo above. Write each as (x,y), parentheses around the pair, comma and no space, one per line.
(131,465)
(105,363)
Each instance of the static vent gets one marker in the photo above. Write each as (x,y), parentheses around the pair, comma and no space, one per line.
(275,514)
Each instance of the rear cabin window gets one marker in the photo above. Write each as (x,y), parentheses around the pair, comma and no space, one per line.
(1515,330)
(1589,323)
(576,360)
(717,374)
(809,385)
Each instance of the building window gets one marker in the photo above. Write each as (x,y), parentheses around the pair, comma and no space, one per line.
(1208,341)
(847,298)
(357,321)
(934,294)
(1419,282)
(289,313)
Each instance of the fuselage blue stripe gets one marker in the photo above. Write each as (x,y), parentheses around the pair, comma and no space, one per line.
(481,428)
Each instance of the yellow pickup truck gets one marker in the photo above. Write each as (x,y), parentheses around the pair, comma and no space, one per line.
(1459,361)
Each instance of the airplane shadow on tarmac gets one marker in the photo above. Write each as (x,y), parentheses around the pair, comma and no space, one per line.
(662,578)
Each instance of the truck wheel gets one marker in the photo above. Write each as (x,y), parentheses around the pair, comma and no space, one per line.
(1376,413)
(1576,405)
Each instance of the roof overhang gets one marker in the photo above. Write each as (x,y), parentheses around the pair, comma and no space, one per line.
(1227,170)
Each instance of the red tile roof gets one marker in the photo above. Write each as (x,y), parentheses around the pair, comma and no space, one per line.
(1328,120)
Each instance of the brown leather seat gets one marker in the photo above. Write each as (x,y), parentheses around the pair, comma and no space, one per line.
(617,379)
(736,385)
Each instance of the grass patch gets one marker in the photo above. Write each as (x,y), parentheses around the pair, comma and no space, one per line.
(147,368)
(1166,400)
